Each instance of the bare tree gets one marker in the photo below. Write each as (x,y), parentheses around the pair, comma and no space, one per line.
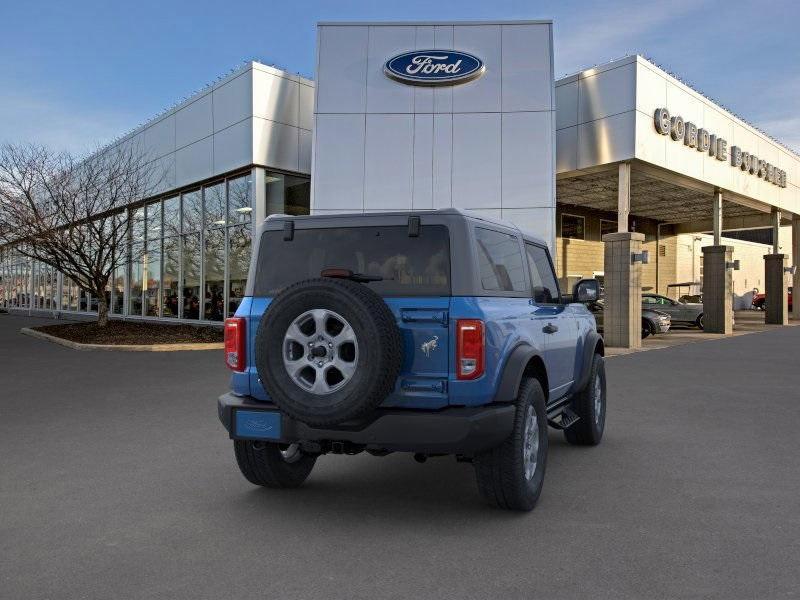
(70,213)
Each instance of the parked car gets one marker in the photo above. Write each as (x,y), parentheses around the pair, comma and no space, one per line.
(760,300)
(681,313)
(442,333)
(653,321)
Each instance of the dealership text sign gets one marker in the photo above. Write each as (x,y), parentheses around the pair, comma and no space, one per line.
(434,67)
(703,141)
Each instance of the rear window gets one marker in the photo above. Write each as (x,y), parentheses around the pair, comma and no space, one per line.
(410,266)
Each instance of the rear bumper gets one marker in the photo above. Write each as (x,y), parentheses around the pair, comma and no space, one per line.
(458,430)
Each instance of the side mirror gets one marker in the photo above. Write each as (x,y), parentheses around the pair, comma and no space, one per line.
(586,290)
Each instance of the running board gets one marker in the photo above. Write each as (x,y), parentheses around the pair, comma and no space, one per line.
(564,420)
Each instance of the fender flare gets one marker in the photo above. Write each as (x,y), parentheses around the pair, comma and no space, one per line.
(591,345)
(515,366)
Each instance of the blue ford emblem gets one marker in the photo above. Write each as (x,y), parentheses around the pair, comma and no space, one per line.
(434,67)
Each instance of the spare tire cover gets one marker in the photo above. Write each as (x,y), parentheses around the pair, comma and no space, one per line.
(328,350)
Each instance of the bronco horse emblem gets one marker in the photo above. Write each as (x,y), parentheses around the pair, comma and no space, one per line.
(429,346)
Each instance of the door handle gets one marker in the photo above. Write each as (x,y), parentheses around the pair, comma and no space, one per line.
(550,328)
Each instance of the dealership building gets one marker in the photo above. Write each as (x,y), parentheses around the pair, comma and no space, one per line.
(627,173)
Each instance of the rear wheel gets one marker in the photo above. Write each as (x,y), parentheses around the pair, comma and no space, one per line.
(700,321)
(273,465)
(511,475)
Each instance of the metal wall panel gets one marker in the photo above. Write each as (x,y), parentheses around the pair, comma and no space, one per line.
(538,221)
(194,121)
(275,145)
(527,165)
(276,98)
(385,95)
(443,37)
(159,138)
(442,161)
(342,69)
(567,105)
(425,38)
(305,149)
(389,173)
(306,106)
(194,162)
(526,72)
(233,101)
(423,163)
(607,93)
(233,146)
(483,94)
(566,149)
(476,160)
(338,178)
(606,140)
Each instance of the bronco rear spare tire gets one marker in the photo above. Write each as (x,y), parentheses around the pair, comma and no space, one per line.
(328,350)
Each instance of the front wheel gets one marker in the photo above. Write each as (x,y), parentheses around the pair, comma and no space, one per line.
(646,330)
(511,475)
(701,322)
(273,465)
(590,405)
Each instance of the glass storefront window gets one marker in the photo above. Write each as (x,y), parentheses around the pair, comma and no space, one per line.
(152,278)
(239,204)
(239,250)
(135,282)
(191,276)
(192,211)
(137,225)
(119,291)
(172,216)
(214,263)
(73,295)
(154,220)
(214,196)
(169,277)
(288,194)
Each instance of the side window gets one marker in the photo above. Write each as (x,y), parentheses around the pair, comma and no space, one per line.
(500,261)
(649,300)
(543,280)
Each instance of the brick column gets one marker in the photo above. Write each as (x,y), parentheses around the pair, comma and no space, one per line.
(717,290)
(777,312)
(622,318)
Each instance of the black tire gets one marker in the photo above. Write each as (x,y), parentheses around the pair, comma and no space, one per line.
(501,471)
(647,328)
(264,464)
(588,431)
(379,351)
(699,321)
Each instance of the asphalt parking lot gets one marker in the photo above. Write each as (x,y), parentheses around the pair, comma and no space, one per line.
(117,481)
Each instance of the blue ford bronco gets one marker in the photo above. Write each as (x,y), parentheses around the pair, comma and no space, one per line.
(433,333)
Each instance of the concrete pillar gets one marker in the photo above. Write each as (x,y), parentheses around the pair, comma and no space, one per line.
(717,289)
(796,263)
(717,217)
(777,312)
(622,318)
(623,197)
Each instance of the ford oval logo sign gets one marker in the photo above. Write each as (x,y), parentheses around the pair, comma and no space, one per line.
(434,67)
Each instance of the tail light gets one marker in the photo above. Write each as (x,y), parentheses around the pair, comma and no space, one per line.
(235,337)
(470,348)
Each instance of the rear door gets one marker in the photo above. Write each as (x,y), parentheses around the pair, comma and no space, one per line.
(558,327)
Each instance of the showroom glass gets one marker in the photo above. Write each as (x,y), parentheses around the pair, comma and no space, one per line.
(572,227)
(135,281)
(192,216)
(409,266)
(239,205)
(153,220)
(172,216)
(214,202)
(239,249)
(137,224)
(214,269)
(151,263)
(499,261)
(287,194)
(190,285)
(543,281)
(170,275)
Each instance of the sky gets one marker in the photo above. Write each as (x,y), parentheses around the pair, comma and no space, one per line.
(74,75)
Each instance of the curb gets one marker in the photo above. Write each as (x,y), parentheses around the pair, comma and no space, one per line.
(123,347)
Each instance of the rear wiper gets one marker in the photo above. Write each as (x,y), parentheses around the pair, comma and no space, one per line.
(348,274)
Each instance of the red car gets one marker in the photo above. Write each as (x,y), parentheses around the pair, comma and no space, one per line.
(760,300)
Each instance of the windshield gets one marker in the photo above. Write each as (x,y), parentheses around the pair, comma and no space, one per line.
(402,265)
